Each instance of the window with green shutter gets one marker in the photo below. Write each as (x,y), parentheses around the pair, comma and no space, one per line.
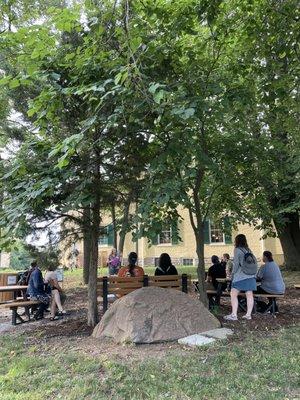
(218,231)
(168,235)
(103,238)
(165,236)
(110,235)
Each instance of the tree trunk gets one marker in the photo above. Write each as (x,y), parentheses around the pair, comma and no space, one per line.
(201,266)
(92,285)
(124,225)
(288,238)
(113,216)
(86,244)
(198,229)
(295,229)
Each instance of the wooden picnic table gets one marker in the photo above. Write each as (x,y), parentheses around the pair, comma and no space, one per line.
(15,289)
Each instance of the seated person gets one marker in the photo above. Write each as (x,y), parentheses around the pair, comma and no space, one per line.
(36,290)
(58,297)
(270,277)
(228,265)
(165,266)
(132,269)
(217,270)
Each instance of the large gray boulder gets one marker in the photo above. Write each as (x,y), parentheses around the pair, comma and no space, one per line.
(153,314)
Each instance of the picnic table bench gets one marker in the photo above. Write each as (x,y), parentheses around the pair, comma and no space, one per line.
(26,304)
(214,297)
(119,286)
(15,289)
(15,304)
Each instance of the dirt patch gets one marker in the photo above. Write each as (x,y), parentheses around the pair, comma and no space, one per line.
(289,315)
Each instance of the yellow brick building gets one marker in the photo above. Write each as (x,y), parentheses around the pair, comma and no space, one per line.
(182,252)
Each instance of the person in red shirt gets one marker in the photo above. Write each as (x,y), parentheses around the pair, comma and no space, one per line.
(132,269)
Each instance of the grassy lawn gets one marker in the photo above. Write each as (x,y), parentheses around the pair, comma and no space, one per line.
(257,368)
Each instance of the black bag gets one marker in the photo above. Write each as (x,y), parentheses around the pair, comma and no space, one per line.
(261,306)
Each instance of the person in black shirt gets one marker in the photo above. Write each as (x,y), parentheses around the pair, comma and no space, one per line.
(165,266)
(217,270)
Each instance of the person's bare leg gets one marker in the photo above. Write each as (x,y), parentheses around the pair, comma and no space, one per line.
(250,302)
(56,296)
(234,301)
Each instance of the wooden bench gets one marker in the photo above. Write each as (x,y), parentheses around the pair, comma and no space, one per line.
(26,304)
(114,285)
(297,286)
(215,294)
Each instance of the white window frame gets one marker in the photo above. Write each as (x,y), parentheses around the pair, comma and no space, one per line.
(158,237)
(215,243)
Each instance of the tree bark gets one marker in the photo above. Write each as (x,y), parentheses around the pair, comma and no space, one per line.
(113,216)
(288,236)
(93,316)
(92,284)
(86,244)
(295,229)
(201,266)
(198,228)
(125,221)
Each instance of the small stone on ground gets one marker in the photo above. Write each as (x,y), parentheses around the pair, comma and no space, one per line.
(196,340)
(220,333)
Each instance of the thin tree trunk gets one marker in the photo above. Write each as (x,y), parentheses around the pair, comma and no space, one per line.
(125,221)
(198,229)
(92,285)
(93,317)
(113,216)
(86,244)
(290,250)
(201,268)
(295,229)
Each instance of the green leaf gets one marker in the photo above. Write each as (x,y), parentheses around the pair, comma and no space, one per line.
(158,96)
(5,80)
(31,112)
(189,112)
(14,83)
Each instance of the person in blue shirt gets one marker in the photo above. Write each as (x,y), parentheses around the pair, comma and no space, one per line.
(36,290)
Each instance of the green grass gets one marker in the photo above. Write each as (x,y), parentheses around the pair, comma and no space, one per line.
(257,368)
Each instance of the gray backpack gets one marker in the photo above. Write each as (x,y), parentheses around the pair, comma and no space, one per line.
(249,263)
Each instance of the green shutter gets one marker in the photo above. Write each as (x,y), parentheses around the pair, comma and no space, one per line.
(154,240)
(206,232)
(110,235)
(175,233)
(227,230)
